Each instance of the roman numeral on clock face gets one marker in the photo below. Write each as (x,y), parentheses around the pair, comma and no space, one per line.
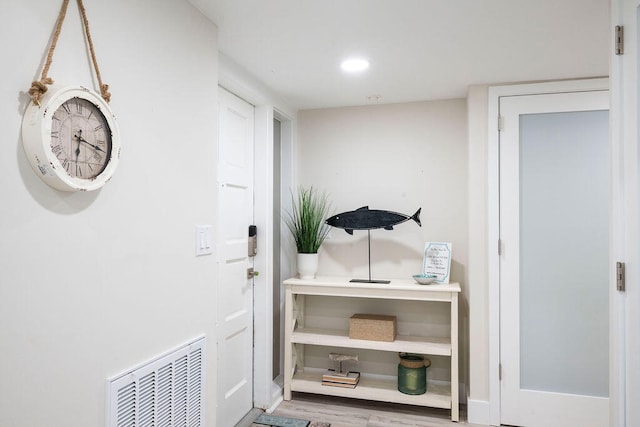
(81,138)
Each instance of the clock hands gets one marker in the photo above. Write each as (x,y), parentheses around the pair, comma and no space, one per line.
(95,147)
(78,137)
(78,151)
(81,139)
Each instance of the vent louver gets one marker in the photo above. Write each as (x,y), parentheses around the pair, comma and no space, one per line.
(164,392)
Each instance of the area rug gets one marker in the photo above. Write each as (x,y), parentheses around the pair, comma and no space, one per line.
(272,421)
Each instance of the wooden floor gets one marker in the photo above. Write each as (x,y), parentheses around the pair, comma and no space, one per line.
(342,412)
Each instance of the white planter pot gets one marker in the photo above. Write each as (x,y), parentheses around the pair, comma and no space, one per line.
(307,266)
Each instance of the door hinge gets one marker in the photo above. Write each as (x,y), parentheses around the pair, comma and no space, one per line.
(620,276)
(619,39)
(500,123)
(500,371)
(499,247)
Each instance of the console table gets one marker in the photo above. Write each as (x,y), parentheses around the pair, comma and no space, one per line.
(300,378)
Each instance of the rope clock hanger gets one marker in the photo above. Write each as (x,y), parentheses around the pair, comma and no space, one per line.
(69,134)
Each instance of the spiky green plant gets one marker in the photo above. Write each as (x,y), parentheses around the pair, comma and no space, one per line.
(306,220)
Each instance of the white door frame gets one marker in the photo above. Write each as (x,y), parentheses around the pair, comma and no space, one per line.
(493,234)
(266,394)
(624,133)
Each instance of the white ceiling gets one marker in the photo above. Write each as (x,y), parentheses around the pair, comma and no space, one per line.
(418,49)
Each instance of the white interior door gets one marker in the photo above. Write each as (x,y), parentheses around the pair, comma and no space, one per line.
(554,264)
(235,290)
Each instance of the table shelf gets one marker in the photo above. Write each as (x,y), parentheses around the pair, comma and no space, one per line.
(406,344)
(377,388)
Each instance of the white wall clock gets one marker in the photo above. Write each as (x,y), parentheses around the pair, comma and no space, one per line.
(71,139)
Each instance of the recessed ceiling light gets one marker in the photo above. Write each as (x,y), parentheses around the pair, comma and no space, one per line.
(354,65)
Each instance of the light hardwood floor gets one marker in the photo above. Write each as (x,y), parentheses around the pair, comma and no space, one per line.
(342,412)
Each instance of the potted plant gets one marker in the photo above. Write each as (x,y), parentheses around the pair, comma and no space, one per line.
(306,221)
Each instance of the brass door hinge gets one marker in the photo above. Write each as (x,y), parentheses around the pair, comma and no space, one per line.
(619,35)
(620,276)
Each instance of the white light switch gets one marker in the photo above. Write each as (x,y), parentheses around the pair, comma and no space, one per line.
(204,240)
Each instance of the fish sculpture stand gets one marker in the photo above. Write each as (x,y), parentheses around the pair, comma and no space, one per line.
(369,219)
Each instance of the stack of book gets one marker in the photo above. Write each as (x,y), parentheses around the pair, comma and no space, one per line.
(337,379)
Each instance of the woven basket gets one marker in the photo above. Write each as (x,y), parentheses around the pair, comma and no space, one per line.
(372,327)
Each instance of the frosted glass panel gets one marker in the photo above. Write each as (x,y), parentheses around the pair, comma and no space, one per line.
(564,199)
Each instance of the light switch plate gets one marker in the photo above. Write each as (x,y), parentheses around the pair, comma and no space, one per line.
(204,240)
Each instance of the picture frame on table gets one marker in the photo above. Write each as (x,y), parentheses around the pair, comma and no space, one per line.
(437,261)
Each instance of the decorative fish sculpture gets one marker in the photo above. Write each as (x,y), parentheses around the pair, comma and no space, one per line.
(367,219)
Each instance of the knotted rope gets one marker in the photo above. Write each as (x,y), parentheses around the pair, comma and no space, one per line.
(39,87)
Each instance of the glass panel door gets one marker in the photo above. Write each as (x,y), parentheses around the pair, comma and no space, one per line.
(564,252)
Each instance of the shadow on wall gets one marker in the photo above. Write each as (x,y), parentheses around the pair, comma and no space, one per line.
(55,201)
(463,335)
(457,271)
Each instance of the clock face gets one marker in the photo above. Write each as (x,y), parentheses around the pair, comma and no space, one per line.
(81,138)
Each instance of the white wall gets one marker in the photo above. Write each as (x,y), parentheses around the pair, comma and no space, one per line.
(397,157)
(94,283)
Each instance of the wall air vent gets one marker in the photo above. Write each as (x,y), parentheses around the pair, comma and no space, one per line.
(167,391)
